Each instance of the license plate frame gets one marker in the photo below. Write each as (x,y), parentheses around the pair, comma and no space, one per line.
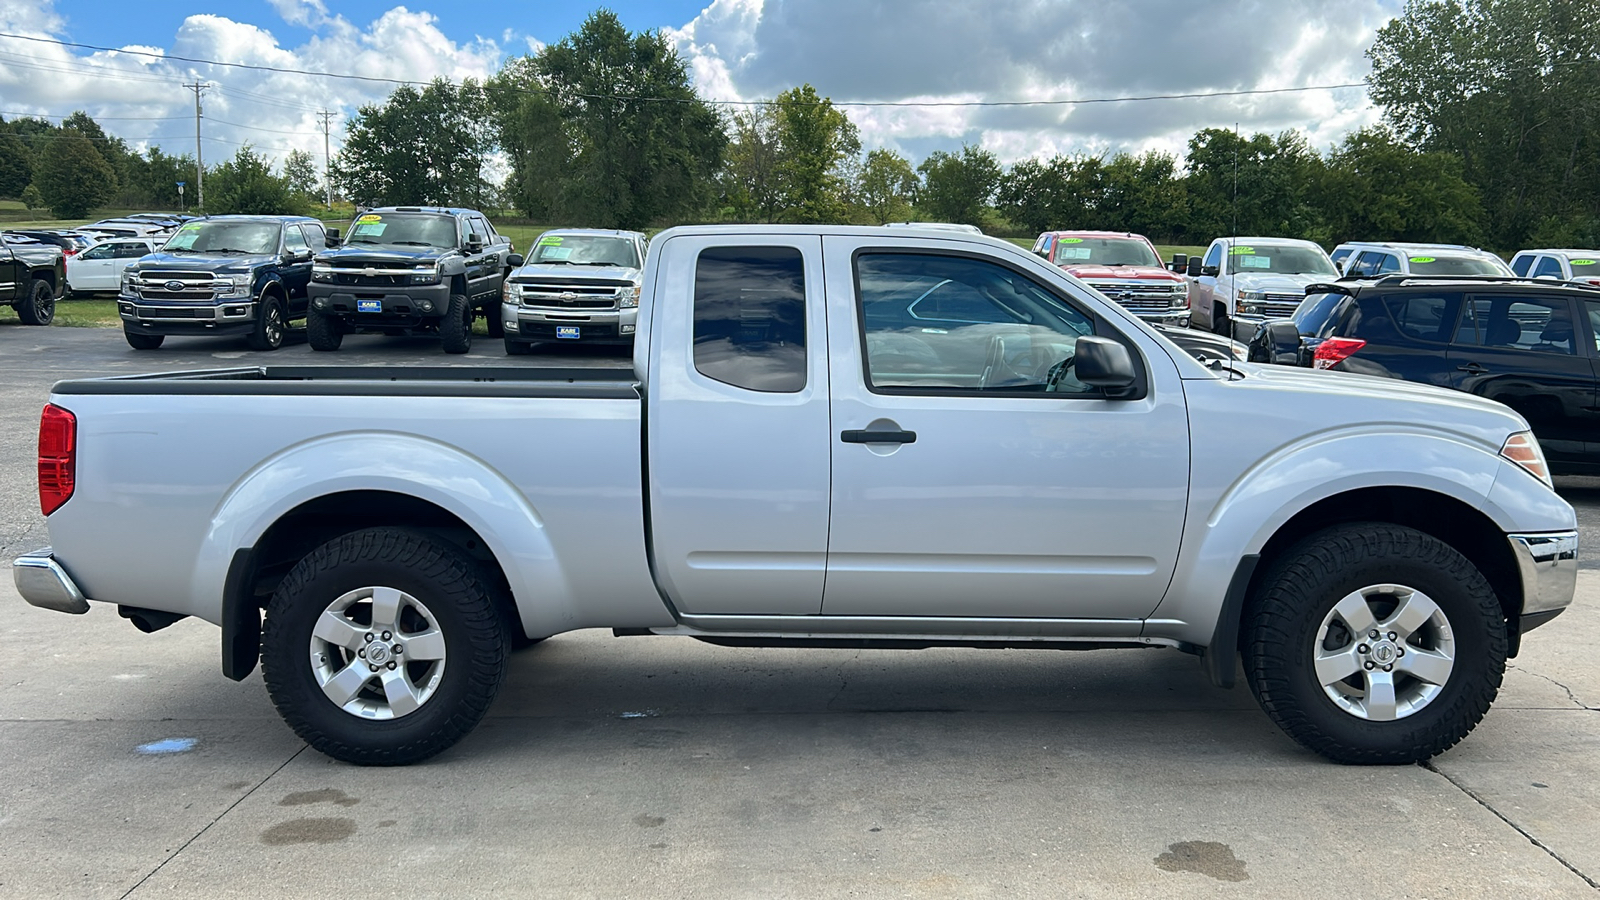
(569,332)
(369,306)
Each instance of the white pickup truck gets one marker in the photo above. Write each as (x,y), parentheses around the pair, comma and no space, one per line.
(828,436)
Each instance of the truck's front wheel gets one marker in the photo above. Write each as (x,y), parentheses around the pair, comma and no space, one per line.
(384,647)
(456,328)
(140,340)
(322,331)
(39,307)
(1374,643)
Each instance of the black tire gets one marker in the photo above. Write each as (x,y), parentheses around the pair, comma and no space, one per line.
(517,348)
(1283,626)
(39,306)
(464,607)
(322,331)
(491,319)
(138,340)
(1220,322)
(270,325)
(456,326)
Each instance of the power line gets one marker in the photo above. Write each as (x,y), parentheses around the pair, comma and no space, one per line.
(374,79)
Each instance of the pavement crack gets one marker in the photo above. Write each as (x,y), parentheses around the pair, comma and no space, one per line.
(196,836)
(1514,826)
(1570,695)
(843,683)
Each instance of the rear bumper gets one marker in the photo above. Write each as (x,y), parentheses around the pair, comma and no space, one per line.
(1548,564)
(43,583)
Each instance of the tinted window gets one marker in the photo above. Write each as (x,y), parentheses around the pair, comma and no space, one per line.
(1339,255)
(315,236)
(1521,263)
(1388,264)
(103,251)
(1213,256)
(1548,265)
(1427,317)
(294,239)
(1539,324)
(1365,266)
(129,250)
(1593,308)
(1317,312)
(750,317)
(1456,265)
(956,323)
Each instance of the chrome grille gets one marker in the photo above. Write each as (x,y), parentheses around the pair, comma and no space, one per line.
(158,285)
(569,295)
(1140,297)
(1281,306)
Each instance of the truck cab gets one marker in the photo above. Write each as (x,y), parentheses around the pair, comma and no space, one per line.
(245,275)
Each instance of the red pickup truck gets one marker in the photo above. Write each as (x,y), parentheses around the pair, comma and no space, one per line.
(1123,266)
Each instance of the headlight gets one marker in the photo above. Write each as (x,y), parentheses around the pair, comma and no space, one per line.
(232,287)
(628,297)
(1253,296)
(129,282)
(1523,449)
(509,292)
(322,273)
(425,276)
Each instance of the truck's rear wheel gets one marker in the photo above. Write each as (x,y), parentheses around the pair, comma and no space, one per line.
(384,647)
(456,327)
(138,340)
(322,332)
(1374,643)
(39,307)
(268,333)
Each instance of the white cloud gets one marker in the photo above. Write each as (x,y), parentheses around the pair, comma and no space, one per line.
(310,13)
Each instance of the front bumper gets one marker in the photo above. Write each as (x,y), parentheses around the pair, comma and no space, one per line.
(596,326)
(400,305)
(43,583)
(221,317)
(1548,564)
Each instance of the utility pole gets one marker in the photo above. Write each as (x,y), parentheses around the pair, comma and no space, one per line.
(327,165)
(199,162)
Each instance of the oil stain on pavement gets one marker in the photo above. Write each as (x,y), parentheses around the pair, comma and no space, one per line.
(309,831)
(1208,858)
(321,795)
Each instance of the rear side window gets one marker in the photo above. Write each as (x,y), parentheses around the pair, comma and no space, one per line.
(1426,317)
(750,318)
(1538,324)
(1521,264)
(1388,264)
(1319,313)
(1548,265)
(1365,265)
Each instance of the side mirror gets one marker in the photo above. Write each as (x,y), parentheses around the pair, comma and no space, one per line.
(1103,363)
(1283,342)
(299,256)
(333,237)
(1210,271)
(1191,267)
(515,261)
(1180,262)
(474,242)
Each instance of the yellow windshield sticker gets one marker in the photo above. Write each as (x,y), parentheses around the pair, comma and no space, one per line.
(369,217)
(1072,240)
(1583,262)
(1243,251)
(550,240)
(1422,259)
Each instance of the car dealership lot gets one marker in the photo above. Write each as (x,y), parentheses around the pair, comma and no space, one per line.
(619,767)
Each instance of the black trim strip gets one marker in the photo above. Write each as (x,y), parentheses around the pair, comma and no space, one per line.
(241,618)
(1220,658)
(424,381)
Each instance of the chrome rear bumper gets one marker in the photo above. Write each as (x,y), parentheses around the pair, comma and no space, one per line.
(1548,564)
(43,583)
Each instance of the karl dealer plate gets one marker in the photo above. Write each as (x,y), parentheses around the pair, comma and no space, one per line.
(369,306)
(569,332)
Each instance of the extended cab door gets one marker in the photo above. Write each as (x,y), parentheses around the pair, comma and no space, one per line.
(1001,486)
(738,426)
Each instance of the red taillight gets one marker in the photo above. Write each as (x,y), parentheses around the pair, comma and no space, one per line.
(1333,351)
(58,453)
(70,251)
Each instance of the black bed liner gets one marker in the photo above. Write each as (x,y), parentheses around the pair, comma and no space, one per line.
(618,383)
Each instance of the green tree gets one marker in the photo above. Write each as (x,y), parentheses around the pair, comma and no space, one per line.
(418,147)
(613,117)
(72,176)
(16,165)
(814,140)
(1376,188)
(887,186)
(302,172)
(1143,194)
(1252,185)
(152,180)
(247,185)
(751,187)
(1508,87)
(957,187)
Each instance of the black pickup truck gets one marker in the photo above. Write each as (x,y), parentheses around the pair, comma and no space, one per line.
(223,275)
(32,278)
(411,270)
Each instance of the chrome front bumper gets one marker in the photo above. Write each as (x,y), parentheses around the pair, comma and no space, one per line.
(43,583)
(1548,564)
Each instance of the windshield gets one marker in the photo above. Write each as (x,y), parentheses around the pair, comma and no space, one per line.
(1071,251)
(224,237)
(1457,265)
(584,250)
(1587,266)
(404,230)
(1247,260)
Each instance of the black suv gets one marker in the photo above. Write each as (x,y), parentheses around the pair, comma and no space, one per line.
(1534,346)
(411,270)
(223,275)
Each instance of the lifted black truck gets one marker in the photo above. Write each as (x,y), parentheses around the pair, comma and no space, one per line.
(411,270)
(32,279)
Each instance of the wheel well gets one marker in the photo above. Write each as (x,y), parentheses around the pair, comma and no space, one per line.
(275,288)
(458,285)
(1463,527)
(47,277)
(315,522)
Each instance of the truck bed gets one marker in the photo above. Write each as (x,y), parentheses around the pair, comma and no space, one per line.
(613,383)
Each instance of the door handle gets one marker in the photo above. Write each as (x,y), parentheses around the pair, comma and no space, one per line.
(862,436)
(1472,368)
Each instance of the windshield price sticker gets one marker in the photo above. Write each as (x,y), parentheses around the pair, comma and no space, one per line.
(1073,252)
(369,217)
(370,229)
(550,241)
(550,252)
(1242,251)
(1256,262)
(1423,259)
(1583,262)
(1072,240)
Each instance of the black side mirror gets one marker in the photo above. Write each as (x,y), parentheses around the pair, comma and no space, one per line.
(299,256)
(1103,363)
(515,261)
(1191,267)
(1180,262)
(1282,342)
(474,242)
(1210,271)
(333,237)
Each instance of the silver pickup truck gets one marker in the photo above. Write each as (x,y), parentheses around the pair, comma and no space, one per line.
(828,436)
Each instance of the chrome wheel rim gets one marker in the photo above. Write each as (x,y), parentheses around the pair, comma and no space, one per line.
(274,324)
(1384,652)
(377,653)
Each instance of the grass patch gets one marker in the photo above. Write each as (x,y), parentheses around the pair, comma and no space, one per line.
(75,314)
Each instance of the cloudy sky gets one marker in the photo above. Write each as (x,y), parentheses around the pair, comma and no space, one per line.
(892,51)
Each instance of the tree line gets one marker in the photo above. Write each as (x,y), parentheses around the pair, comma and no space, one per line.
(1490,135)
